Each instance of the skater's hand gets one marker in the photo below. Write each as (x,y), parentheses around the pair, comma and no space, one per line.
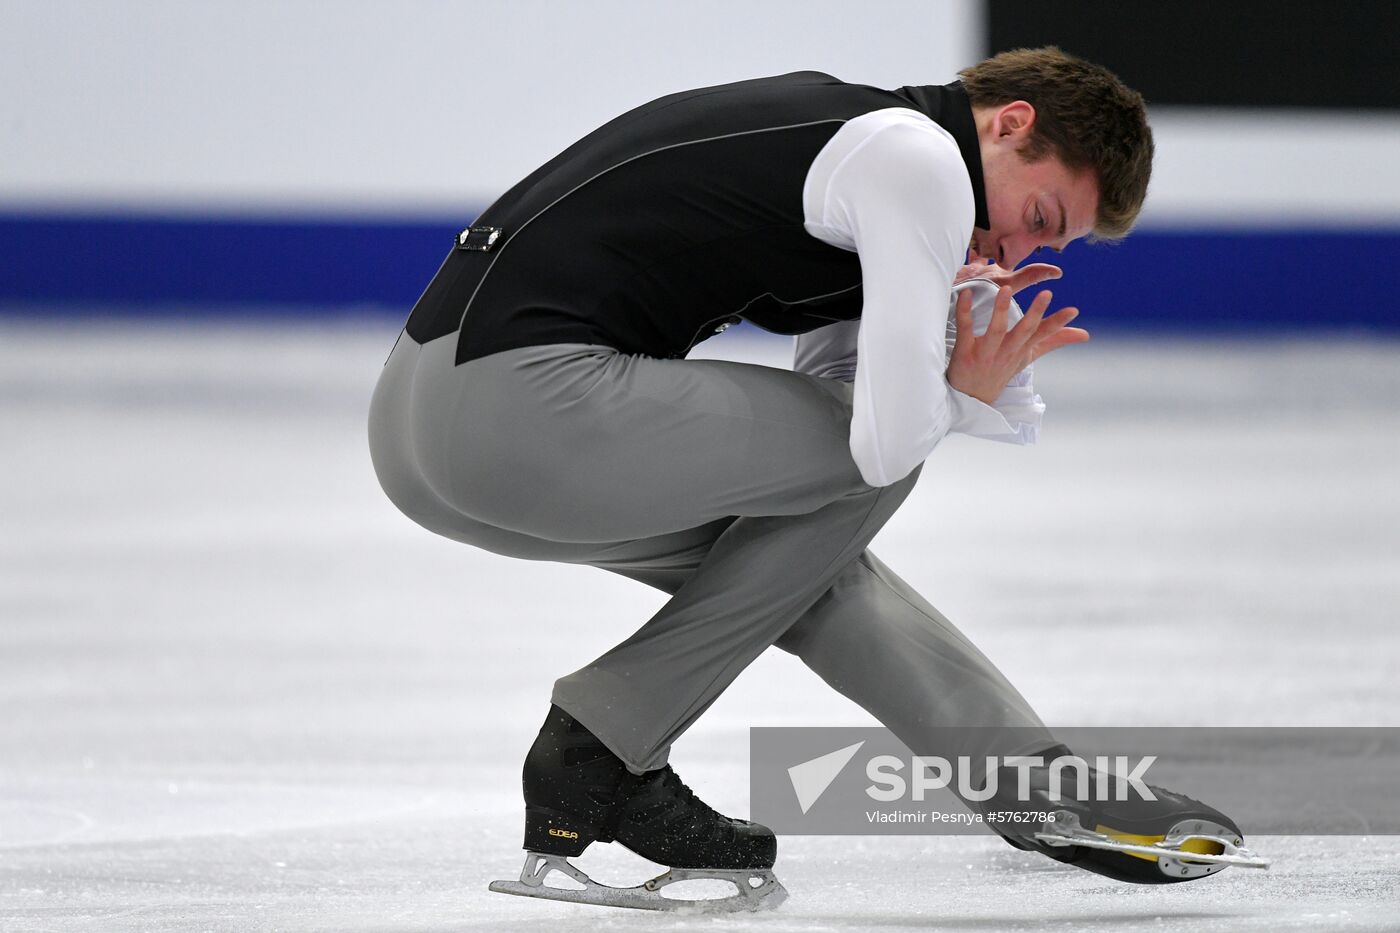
(982,366)
(1016,279)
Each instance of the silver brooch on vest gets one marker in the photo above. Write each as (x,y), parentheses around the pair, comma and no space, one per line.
(479,239)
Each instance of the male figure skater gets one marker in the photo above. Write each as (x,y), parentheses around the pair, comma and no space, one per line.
(539,404)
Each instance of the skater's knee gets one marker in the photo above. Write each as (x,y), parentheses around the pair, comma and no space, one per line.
(847,599)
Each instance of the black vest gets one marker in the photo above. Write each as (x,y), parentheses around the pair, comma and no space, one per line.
(670,222)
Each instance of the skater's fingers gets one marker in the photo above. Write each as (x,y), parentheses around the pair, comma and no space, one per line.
(1048,327)
(1029,327)
(962,316)
(1016,280)
(1062,337)
(975,269)
(996,330)
(1033,274)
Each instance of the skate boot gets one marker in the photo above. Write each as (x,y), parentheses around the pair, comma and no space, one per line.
(577,792)
(1173,838)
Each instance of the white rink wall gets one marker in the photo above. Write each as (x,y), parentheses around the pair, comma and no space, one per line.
(408,104)
(422,104)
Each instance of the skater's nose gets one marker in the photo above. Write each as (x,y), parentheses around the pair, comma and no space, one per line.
(1013,250)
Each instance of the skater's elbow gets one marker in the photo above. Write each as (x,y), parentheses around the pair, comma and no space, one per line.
(889,442)
(881,467)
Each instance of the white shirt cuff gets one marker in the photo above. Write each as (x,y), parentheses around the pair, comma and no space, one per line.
(1014,418)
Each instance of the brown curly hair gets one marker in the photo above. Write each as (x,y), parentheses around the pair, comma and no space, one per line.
(1084,115)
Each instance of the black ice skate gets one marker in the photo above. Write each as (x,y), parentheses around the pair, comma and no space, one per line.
(577,792)
(1173,838)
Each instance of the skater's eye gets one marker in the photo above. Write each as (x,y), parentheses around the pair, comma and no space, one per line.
(1039,220)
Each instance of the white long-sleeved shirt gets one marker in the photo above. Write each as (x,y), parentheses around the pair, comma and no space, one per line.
(891,185)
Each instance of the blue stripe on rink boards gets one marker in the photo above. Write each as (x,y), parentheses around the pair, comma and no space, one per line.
(1189,280)
(219,264)
(1200,281)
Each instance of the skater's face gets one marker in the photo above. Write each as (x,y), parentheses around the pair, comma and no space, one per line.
(1030,205)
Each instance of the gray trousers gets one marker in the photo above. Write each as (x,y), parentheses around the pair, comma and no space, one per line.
(729,486)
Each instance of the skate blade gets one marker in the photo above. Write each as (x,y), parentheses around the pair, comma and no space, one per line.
(1172,848)
(754,890)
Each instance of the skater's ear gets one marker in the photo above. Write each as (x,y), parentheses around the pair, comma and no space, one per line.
(1014,123)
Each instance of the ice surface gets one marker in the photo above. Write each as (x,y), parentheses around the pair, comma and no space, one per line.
(239,691)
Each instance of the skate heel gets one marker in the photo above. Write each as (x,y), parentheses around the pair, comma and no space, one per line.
(554,833)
